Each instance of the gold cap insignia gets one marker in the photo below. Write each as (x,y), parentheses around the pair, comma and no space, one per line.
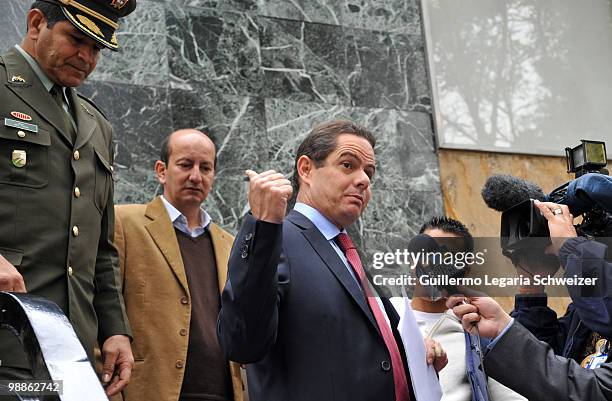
(18,78)
(119,4)
(19,158)
(89,24)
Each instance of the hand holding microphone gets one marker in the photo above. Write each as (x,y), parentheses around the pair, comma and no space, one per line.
(484,312)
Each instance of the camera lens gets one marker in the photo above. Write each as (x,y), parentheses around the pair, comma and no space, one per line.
(523,228)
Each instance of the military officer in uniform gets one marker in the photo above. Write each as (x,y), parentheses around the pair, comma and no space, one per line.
(56,181)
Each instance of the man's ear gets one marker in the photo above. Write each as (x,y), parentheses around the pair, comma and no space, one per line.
(305,165)
(36,22)
(160,172)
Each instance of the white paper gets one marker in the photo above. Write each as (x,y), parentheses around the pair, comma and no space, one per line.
(423,377)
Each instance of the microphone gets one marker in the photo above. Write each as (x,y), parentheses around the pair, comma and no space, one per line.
(502,191)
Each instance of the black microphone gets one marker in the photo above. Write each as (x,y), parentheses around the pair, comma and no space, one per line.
(502,191)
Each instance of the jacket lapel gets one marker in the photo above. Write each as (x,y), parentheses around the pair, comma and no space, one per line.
(32,91)
(333,262)
(86,123)
(162,231)
(222,245)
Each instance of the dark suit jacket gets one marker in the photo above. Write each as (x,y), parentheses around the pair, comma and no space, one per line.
(531,368)
(292,310)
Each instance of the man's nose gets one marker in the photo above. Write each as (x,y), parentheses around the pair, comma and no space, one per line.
(194,174)
(363,180)
(88,54)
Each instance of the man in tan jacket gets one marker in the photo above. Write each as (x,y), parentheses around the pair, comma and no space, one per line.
(174,265)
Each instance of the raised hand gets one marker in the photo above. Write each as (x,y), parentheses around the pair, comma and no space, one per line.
(269,193)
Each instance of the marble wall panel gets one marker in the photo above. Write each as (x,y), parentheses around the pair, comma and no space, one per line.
(142,57)
(219,49)
(141,117)
(12,23)
(400,16)
(222,5)
(331,64)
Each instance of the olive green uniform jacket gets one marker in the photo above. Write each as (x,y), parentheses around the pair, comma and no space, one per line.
(56,212)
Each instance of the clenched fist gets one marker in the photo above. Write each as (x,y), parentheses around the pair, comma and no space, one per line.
(269,193)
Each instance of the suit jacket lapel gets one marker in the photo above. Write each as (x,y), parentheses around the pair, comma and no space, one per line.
(333,262)
(33,92)
(222,245)
(86,123)
(162,231)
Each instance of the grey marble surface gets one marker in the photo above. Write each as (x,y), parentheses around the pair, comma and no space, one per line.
(12,22)
(332,64)
(401,16)
(141,117)
(142,58)
(256,75)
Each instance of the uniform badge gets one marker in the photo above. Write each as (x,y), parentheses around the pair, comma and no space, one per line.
(19,158)
(18,78)
(9,122)
(21,116)
(119,4)
(599,356)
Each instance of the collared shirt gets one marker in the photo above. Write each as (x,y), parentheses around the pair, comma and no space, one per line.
(47,83)
(327,228)
(330,231)
(179,221)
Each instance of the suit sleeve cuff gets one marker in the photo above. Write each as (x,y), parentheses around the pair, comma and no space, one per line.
(500,335)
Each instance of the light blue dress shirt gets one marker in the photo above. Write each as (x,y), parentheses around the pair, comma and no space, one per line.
(179,221)
(327,228)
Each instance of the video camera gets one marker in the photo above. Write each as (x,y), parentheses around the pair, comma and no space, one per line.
(588,195)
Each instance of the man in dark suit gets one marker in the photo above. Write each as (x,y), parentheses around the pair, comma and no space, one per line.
(294,305)
(56,184)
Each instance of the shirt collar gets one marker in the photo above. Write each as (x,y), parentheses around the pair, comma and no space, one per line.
(48,84)
(326,227)
(175,214)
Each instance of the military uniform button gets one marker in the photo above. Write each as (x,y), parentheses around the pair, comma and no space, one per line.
(179,364)
(21,134)
(70,272)
(184,300)
(248,236)
(385,366)
(183,332)
(76,155)
(77,192)
(75,231)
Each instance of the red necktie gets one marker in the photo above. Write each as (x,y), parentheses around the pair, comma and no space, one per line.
(399,374)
